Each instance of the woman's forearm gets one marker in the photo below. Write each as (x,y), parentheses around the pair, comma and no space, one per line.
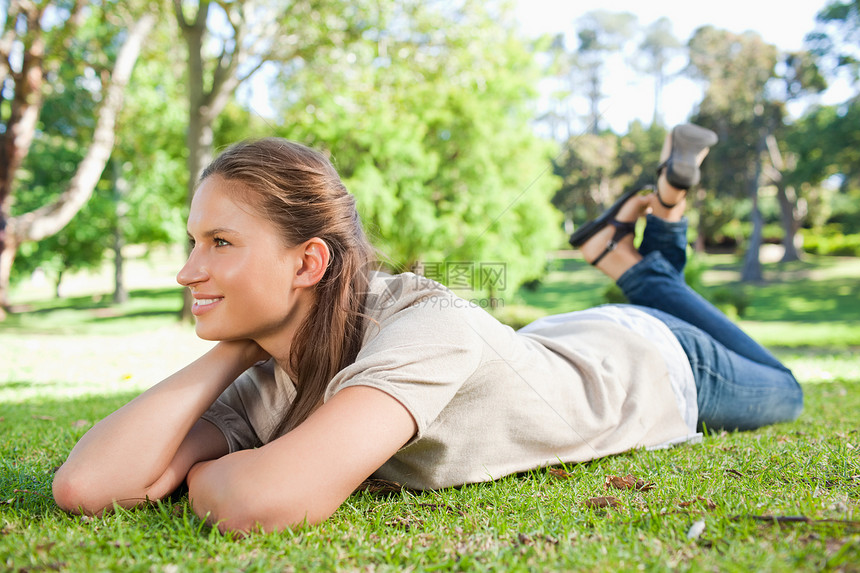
(125,454)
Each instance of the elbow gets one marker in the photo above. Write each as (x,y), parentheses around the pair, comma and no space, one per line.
(233,512)
(237,506)
(71,492)
(81,492)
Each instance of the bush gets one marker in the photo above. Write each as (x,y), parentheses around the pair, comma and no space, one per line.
(613,295)
(831,241)
(731,300)
(517,315)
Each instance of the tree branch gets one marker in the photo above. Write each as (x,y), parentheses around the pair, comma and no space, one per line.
(180,15)
(49,219)
(224,77)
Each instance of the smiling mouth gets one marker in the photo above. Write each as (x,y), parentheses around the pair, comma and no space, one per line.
(202,305)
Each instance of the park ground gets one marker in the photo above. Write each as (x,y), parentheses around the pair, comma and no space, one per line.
(783,498)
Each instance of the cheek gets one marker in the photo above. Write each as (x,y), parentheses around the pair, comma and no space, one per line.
(264,283)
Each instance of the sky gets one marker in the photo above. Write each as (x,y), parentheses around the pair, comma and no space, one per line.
(783,23)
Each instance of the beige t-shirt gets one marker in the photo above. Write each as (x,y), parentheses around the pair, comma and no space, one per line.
(488,401)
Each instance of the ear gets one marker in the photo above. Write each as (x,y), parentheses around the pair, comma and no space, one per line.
(314,257)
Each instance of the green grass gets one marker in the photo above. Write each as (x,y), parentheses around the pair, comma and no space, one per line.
(67,364)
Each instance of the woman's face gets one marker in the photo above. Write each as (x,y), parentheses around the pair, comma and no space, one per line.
(239,272)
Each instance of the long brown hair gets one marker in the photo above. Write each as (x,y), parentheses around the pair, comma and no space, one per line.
(299,190)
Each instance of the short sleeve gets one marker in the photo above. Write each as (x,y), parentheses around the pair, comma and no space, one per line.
(422,355)
(250,410)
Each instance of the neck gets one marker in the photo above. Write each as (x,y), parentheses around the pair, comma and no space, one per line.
(279,344)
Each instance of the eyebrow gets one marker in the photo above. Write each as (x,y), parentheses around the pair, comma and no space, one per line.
(213,232)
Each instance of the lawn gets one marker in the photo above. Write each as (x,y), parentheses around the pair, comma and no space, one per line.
(783,498)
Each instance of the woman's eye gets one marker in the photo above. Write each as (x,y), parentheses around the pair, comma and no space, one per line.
(220,242)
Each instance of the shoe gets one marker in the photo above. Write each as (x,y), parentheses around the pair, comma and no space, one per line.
(682,165)
(622,228)
(589,229)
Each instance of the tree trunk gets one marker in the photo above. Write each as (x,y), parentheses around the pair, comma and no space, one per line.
(792,211)
(199,140)
(120,189)
(57,292)
(699,205)
(49,219)
(120,292)
(791,215)
(751,271)
(204,106)
(20,128)
(7,257)
(594,97)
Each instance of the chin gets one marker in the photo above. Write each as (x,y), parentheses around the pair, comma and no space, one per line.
(205,334)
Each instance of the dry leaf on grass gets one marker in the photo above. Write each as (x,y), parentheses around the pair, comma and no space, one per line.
(406,523)
(559,473)
(705,501)
(628,482)
(602,501)
(525,539)
(379,486)
(442,506)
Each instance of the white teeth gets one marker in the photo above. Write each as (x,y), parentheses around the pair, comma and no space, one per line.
(205,301)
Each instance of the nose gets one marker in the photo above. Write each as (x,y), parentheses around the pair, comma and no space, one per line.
(192,272)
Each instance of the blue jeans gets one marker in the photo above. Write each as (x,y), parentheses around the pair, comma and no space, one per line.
(739,384)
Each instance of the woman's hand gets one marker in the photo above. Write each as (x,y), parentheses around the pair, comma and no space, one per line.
(144,450)
(247,351)
(303,476)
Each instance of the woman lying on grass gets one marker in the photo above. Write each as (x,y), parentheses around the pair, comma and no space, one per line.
(327,373)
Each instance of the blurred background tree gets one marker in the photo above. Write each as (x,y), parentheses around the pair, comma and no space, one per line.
(428,123)
(36,37)
(133,202)
(463,141)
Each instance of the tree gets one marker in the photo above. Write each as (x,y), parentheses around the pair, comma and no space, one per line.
(823,144)
(145,185)
(836,39)
(600,33)
(587,165)
(800,76)
(427,121)
(247,35)
(557,115)
(658,46)
(737,69)
(31,52)
(137,200)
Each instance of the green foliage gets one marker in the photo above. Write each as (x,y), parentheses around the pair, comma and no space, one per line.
(836,39)
(733,301)
(826,142)
(431,132)
(595,169)
(140,196)
(830,241)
